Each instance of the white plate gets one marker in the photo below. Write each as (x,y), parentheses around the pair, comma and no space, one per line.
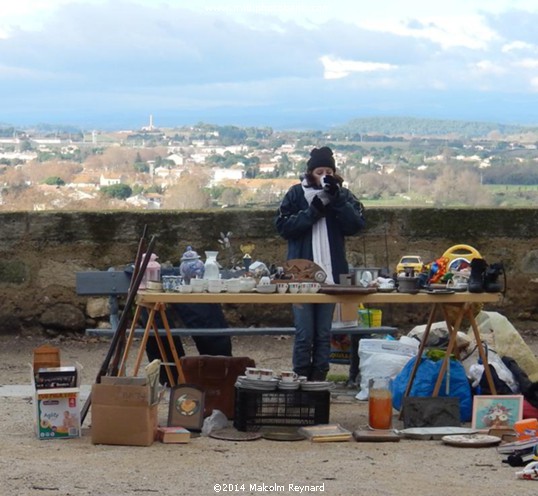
(289,386)
(316,386)
(434,432)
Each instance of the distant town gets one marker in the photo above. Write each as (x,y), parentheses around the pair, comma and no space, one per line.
(207,166)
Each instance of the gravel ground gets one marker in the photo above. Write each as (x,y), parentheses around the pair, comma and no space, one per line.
(29,466)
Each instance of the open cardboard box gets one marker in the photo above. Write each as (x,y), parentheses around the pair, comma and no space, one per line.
(123,413)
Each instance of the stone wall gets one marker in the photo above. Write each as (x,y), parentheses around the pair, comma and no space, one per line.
(42,251)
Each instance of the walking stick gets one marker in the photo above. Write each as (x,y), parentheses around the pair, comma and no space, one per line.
(113,369)
(121,329)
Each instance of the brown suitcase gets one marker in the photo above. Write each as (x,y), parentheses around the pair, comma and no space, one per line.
(216,375)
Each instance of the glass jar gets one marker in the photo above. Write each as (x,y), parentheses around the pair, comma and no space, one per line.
(380,403)
(152,272)
(211,266)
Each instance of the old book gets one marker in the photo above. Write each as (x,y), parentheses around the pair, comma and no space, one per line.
(173,435)
(325,433)
(521,445)
(376,436)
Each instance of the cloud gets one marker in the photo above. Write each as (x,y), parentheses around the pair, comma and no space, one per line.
(130,57)
(339,68)
(447,32)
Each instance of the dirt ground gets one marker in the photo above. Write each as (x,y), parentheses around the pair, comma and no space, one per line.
(207,466)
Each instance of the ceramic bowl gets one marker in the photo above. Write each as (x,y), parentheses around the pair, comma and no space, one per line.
(266,288)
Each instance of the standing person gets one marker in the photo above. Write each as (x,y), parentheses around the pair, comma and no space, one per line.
(314,217)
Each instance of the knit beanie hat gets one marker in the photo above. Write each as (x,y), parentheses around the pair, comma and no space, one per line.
(321,157)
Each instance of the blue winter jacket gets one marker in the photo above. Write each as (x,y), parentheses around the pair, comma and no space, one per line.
(295,220)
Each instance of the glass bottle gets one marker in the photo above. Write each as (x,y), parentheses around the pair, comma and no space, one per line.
(380,403)
(211,266)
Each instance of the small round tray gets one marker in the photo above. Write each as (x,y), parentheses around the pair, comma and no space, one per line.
(283,435)
(231,434)
(471,440)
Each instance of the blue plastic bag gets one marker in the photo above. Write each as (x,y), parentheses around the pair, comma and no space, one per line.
(425,380)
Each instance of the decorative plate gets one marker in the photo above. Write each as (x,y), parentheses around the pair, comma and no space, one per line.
(232,434)
(471,440)
(300,269)
(283,435)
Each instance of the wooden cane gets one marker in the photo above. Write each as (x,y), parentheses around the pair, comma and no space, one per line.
(121,329)
(114,365)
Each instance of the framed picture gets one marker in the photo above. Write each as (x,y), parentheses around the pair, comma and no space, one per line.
(186,408)
(496,412)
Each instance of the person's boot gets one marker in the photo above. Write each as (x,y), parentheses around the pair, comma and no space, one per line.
(318,375)
(491,278)
(476,279)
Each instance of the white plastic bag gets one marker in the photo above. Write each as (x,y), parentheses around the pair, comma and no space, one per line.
(216,421)
(382,358)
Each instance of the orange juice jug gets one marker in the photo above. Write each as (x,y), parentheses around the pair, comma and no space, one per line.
(379,403)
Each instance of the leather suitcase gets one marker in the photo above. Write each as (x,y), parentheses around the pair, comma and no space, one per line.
(216,375)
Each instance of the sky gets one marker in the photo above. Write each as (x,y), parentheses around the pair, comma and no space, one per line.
(294,64)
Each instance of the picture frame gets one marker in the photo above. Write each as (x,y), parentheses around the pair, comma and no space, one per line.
(186,407)
(496,411)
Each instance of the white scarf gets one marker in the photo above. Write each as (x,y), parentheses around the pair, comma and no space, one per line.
(320,236)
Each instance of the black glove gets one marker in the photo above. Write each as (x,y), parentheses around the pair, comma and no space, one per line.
(361,209)
(331,186)
(318,205)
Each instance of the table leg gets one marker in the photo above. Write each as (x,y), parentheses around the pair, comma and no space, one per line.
(453,338)
(431,318)
(144,341)
(180,374)
(128,344)
(481,352)
(163,354)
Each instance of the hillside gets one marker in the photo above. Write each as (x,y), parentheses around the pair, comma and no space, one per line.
(411,126)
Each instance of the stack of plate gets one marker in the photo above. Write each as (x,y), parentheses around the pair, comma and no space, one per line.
(288,386)
(256,384)
(316,386)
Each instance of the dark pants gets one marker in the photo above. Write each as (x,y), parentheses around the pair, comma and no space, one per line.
(191,316)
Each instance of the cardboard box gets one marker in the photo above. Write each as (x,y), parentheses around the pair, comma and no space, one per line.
(173,435)
(57,413)
(123,415)
(57,409)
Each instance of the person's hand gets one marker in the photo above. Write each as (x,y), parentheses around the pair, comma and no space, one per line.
(331,185)
(318,205)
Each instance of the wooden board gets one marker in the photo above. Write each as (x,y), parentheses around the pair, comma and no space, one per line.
(300,269)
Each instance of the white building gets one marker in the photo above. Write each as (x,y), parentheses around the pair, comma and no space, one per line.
(109,180)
